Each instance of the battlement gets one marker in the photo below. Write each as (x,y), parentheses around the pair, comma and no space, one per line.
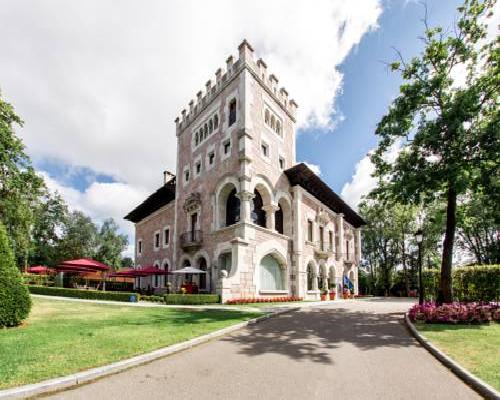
(258,68)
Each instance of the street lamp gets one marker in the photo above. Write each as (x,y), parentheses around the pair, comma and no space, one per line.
(419,237)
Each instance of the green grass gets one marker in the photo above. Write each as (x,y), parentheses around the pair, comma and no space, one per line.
(474,347)
(62,337)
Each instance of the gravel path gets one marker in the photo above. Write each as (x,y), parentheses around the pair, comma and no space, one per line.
(345,350)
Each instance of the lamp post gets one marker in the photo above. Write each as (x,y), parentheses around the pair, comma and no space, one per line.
(419,237)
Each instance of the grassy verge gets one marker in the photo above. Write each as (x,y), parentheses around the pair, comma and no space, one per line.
(475,347)
(62,337)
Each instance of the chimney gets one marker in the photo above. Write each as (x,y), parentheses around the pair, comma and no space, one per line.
(229,65)
(191,105)
(208,86)
(274,82)
(218,76)
(262,69)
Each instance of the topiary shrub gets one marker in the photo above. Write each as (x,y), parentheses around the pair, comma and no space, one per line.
(84,294)
(15,301)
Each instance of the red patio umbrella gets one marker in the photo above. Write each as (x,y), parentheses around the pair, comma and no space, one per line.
(141,272)
(38,269)
(86,263)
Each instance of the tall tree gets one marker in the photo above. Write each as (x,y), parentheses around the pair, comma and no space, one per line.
(79,238)
(448,133)
(111,244)
(50,216)
(20,187)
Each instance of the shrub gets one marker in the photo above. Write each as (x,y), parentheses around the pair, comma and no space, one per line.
(190,299)
(455,313)
(83,294)
(250,300)
(473,283)
(155,299)
(15,301)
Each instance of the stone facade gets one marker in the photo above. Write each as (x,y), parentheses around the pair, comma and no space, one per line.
(235,213)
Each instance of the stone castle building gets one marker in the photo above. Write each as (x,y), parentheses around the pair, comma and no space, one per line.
(239,207)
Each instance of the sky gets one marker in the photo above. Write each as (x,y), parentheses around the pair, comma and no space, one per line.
(99,83)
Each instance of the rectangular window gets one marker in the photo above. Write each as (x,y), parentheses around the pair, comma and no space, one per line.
(265,150)
(166,237)
(211,158)
(198,168)
(139,247)
(232,112)
(227,147)
(282,163)
(310,230)
(186,176)
(321,238)
(157,240)
(330,240)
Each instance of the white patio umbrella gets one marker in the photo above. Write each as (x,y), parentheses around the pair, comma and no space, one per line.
(189,270)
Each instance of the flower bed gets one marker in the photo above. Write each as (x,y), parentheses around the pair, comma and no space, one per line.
(249,300)
(455,313)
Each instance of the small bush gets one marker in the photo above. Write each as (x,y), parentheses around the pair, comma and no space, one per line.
(191,299)
(83,294)
(15,301)
(455,313)
(250,300)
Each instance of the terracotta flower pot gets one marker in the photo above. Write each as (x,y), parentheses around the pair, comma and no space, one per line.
(323,297)
(332,295)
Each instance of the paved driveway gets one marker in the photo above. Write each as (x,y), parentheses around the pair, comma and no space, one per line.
(346,350)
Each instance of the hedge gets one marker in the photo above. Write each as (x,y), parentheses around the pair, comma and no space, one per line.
(154,299)
(474,283)
(83,294)
(15,301)
(191,298)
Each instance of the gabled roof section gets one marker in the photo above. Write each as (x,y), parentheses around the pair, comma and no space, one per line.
(301,175)
(157,200)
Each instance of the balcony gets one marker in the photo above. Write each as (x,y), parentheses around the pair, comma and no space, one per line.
(323,250)
(191,240)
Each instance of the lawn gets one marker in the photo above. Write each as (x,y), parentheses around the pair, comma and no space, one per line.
(474,347)
(62,337)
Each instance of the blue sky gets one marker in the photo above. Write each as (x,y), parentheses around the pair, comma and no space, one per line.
(368,89)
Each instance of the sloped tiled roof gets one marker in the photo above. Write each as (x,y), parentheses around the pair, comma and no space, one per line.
(301,175)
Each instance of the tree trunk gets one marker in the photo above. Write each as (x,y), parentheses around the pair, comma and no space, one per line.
(405,270)
(445,293)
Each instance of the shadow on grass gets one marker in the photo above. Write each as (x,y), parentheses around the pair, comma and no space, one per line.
(313,334)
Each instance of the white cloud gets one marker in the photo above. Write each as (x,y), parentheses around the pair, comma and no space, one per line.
(99,83)
(362,181)
(101,201)
(313,167)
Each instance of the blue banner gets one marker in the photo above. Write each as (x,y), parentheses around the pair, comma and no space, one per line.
(348,283)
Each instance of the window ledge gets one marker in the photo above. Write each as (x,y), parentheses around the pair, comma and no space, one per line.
(268,291)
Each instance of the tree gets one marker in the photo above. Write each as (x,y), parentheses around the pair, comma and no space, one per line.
(448,133)
(50,217)
(79,238)
(111,244)
(478,232)
(20,187)
(127,262)
(15,302)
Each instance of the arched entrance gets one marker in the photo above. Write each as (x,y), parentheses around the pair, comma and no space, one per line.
(272,274)
(203,278)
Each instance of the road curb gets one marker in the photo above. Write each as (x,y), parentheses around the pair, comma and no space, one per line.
(68,381)
(470,379)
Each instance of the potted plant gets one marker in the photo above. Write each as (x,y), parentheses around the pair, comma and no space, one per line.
(332,294)
(324,294)
(346,293)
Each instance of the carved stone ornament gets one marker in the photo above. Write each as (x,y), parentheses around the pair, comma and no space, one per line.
(193,202)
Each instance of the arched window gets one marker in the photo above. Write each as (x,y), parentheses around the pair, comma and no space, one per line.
(205,131)
(210,126)
(272,121)
(232,208)
(278,128)
(232,112)
(196,140)
(266,117)
(271,274)
(216,121)
(278,220)
(258,214)
(225,262)
(311,276)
